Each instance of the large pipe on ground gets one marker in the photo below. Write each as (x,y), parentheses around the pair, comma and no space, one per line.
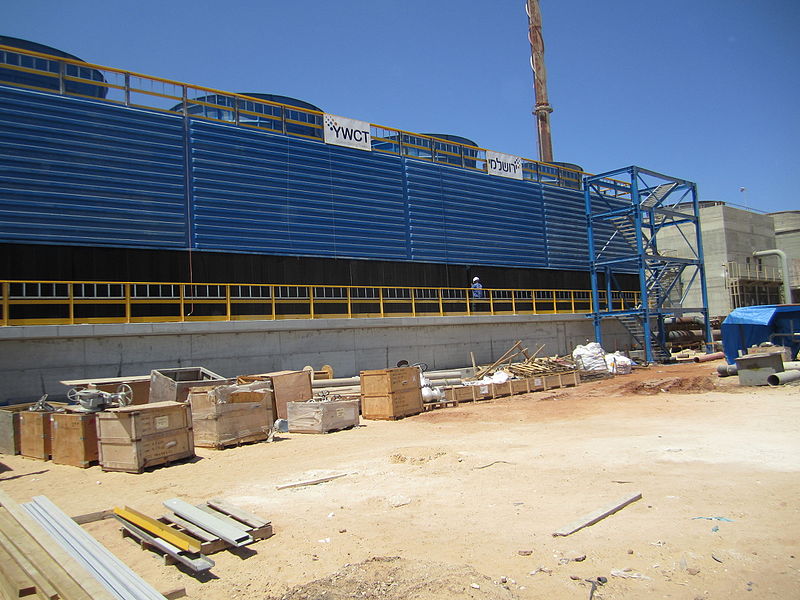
(785,377)
(728,370)
(707,357)
(431,375)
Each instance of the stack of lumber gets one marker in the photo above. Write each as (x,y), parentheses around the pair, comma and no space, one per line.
(540,366)
(530,366)
(43,554)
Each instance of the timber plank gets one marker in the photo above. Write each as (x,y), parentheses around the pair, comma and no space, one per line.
(597,515)
(237,513)
(15,582)
(67,574)
(18,542)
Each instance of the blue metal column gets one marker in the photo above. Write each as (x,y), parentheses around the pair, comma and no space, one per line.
(592,264)
(702,269)
(645,301)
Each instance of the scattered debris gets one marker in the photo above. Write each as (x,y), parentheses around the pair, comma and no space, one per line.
(492,463)
(714,519)
(628,574)
(716,558)
(541,570)
(598,515)
(309,481)
(692,571)
(398,501)
(524,552)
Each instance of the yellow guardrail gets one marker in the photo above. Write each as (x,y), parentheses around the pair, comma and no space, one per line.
(133,89)
(74,302)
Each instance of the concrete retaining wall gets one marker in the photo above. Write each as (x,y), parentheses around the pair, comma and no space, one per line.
(34,359)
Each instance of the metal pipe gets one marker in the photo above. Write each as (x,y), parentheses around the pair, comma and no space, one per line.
(707,357)
(785,377)
(787,290)
(727,370)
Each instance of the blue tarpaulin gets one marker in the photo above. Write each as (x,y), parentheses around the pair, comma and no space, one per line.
(752,325)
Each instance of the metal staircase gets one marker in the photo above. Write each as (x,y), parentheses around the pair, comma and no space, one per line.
(638,210)
(633,323)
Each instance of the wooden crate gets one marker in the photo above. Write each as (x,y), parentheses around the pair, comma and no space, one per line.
(225,416)
(322,417)
(135,437)
(520,386)
(74,439)
(482,391)
(536,384)
(139,384)
(34,434)
(288,386)
(559,380)
(395,405)
(501,389)
(174,384)
(387,381)
(9,425)
(460,393)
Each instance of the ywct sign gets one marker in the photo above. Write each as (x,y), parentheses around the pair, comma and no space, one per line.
(504,165)
(347,132)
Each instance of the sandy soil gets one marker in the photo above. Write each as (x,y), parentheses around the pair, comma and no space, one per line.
(462,502)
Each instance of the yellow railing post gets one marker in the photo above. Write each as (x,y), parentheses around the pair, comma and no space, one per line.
(182,304)
(274,305)
(441,302)
(413,302)
(349,304)
(6,303)
(491,302)
(572,300)
(555,303)
(533,301)
(467,296)
(513,302)
(380,299)
(127,294)
(227,302)
(71,293)
(311,301)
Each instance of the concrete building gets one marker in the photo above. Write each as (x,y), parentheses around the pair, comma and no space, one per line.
(787,238)
(735,277)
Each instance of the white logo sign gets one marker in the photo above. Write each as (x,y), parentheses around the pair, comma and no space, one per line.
(504,165)
(347,132)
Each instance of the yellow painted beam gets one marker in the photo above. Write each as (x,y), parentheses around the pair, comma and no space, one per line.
(165,532)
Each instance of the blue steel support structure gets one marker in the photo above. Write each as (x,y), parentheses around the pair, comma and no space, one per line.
(638,205)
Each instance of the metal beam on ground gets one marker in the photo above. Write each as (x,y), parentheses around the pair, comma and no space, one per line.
(233,535)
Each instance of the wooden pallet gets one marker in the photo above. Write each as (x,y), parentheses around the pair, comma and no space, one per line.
(429,406)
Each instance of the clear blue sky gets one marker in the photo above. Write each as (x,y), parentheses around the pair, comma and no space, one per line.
(706,90)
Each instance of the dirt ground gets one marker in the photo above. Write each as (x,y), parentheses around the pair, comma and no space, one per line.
(462,502)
